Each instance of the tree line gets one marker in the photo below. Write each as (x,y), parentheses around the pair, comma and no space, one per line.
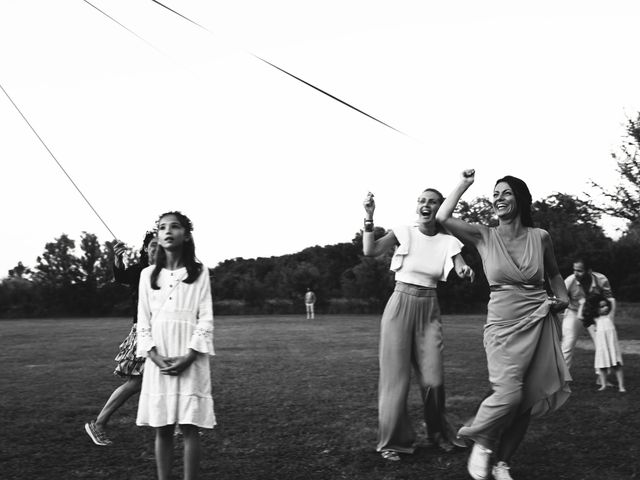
(64,282)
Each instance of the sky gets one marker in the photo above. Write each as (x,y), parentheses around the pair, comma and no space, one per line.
(179,117)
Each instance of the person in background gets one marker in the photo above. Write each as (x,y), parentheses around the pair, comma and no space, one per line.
(129,366)
(309,303)
(596,311)
(582,282)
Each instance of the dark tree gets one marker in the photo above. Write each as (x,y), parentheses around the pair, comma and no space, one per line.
(624,200)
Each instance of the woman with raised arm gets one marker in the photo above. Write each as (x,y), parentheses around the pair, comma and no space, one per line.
(522,334)
(410,331)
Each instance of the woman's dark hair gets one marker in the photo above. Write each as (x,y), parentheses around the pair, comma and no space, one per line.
(592,307)
(523,198)
(194,268)
(144,256)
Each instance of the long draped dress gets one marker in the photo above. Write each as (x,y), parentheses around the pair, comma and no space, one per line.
(521,340)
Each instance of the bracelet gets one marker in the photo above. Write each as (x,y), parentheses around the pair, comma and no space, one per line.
(368,225)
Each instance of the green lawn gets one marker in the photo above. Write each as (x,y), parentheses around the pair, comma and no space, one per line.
(295,399)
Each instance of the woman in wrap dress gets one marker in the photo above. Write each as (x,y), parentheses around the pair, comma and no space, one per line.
(522,334)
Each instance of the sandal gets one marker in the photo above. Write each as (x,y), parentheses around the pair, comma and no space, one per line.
(390,455)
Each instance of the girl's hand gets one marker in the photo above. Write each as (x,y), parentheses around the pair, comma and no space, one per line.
(468,176)
(467,272)
(159,360)
(179,364)
(369,205)
(119,248)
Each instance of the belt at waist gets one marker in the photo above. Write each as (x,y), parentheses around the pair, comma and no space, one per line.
(516,286)
(415,290)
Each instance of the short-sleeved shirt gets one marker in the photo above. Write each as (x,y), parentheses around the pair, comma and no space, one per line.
(422,259)
(599,284)
(309,298)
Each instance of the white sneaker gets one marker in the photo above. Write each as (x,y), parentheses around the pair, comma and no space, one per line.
(478,464)
(500,471)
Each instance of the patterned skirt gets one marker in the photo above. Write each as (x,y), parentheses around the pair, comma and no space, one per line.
(128,363)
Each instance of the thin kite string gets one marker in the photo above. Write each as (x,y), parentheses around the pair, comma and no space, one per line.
(56,160)
(285,71)
(253,55)
(126,28)
(328,94)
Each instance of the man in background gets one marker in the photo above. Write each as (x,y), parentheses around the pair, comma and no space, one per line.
(309,301)
(581,283)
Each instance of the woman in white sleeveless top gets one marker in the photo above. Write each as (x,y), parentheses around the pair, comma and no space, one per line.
(411,331)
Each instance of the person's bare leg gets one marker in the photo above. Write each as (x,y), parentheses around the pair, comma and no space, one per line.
(602,375)
(191,451)
(119,396)
(620,377)
(164,451)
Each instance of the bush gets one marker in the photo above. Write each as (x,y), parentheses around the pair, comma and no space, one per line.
(230,307)
(282,306)
(354,305)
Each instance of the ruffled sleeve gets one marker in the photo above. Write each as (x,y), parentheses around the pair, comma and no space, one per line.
(145,339)
(403,235)
(202,338)
(453,247)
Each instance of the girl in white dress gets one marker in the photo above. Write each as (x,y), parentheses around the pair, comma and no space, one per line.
(596,310)
(175,334)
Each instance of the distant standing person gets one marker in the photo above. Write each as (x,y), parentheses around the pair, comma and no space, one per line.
(129,366)
(410,329)
(309,303)
(582,282)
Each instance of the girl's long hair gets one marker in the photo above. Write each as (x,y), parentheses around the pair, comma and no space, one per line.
(194,268)
(591,307)
(523,198)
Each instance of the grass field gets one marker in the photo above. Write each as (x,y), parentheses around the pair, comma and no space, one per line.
(295,399)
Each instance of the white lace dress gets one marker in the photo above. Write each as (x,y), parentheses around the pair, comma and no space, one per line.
(173,319)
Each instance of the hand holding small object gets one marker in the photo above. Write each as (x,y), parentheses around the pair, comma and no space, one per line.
(369,204)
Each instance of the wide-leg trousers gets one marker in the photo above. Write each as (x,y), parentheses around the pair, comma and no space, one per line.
(410,335)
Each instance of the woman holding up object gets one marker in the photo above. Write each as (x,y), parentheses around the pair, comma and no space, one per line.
(410,329)
(522,334)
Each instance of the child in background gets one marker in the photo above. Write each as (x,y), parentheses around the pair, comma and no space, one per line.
(175,333)
(129,366)
(608,355)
